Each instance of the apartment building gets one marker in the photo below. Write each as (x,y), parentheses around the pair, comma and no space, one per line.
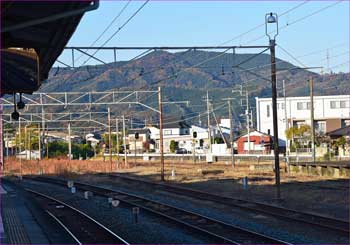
(330,113)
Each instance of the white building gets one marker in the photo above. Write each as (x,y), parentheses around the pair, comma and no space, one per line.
(330,113)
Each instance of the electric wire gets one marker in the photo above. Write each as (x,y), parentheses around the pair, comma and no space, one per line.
(298,20)
(107,28)
(261,25)
(111,37)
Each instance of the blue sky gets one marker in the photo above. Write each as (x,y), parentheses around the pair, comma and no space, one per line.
(179,23)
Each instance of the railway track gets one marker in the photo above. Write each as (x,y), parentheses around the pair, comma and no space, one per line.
(81,227)
(220,231)
(340,226)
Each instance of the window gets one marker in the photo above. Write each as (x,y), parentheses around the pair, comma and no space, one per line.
(343,104)
(303,105)
(308,105)
(268,110)
(346,123)
(167,132)
(320,127)
(300,105)
(282,106)
(333,104)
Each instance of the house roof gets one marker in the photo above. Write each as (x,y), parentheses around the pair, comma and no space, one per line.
(33,35)
(255,133)
(345,131)
(139,130)
(175,122)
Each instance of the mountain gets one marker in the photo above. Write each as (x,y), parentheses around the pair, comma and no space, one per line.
(189,81)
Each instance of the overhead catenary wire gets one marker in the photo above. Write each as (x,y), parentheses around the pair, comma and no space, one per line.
(283,27)
(107,27)
(288,11)
(298,20)
(119,29)
(261,25)
(111,37)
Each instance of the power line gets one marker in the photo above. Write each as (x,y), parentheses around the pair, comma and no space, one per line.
(119,29)
(107,28)
(261,25)
(301,19)
(290,55)
(113,35)
(288,24)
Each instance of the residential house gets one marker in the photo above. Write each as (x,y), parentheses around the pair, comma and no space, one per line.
(335,135)
(260,143)
(92,140)
(143,143)
(330,113)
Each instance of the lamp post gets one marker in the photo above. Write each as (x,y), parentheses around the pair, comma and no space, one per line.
(272,19)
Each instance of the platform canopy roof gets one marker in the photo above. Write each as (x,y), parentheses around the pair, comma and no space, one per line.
(33,35)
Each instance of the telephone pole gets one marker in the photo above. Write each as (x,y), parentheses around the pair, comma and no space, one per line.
(39,141)
(286,119)
(69,143)
(161,133)
(20,148)
(124,142)
(248,119)
(109,139)
(311,87)
(209,130)
(117,136)
(274,116)
(231,134)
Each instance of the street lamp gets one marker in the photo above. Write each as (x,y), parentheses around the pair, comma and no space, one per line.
(272,19)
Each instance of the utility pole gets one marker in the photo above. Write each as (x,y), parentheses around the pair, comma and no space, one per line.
(274,116)
(248,120)
(6,146)
(124,142)
(161,146)
(47,143)
(39,139)
(231,134)
(135,150)
(42,126)
(20,148)
(117,136)
(69,143)
(209,130)
(25,141)
(30,145)
(110,139)
(286,119)
(311,85)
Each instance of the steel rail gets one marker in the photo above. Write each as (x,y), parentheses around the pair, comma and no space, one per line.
(338,225)
(220,230)
(103,231)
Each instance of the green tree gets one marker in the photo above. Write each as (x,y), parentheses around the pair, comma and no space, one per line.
(58,149)
(218,140)
(114,141)
(82,150)
(299,136)
(340,143)
(29,137)
(173,146)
